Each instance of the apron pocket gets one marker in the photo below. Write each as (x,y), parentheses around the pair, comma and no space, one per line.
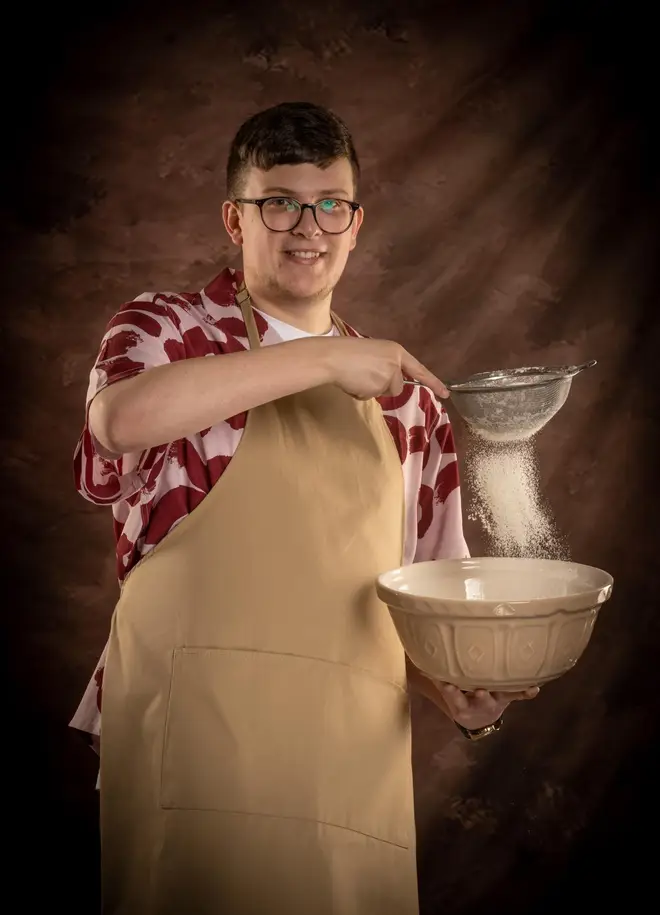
(278,735)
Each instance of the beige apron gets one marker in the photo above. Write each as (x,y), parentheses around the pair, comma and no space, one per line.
(255,756)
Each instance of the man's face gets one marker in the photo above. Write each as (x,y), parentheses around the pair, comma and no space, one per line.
(272,260)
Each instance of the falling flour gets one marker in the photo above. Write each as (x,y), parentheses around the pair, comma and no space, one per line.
(507,500)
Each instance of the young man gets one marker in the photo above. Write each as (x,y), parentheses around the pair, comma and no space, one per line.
(256,737)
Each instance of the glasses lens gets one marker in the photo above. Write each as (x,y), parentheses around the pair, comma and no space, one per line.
(280,213)
(334,215)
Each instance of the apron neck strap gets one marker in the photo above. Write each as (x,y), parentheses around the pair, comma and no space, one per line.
(339,324)
(245,303)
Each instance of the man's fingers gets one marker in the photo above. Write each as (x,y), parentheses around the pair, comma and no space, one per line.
(419,372)
(457,701)
(508,697)
(486,699)
(530,693)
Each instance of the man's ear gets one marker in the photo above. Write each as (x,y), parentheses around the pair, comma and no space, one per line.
(231,216)
(355,228)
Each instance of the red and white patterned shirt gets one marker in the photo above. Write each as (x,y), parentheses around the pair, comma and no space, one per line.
(151,492)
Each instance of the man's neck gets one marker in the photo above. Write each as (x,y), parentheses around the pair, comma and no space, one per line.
(312,317)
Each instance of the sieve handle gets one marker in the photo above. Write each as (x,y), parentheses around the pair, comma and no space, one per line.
(568,370)
(574,369)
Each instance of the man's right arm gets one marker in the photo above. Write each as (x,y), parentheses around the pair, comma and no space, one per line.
(169,402)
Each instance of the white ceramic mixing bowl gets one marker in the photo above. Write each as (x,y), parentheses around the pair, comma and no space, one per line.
(500,624)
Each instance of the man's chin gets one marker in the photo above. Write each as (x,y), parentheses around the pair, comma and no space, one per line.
(303,292)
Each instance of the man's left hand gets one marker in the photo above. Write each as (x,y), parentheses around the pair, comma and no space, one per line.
(472,710)
(475,709)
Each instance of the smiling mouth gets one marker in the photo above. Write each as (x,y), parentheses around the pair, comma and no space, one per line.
(306,256)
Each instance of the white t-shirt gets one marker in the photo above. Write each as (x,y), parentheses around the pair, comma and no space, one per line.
(288,332)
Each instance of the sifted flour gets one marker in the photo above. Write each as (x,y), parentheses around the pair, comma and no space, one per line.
(532,426)
(507,501)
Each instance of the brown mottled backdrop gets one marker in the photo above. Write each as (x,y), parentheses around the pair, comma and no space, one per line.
(510,190)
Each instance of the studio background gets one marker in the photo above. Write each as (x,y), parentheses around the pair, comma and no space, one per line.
(510,189)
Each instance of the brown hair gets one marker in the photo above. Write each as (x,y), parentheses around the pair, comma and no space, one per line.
(291,133)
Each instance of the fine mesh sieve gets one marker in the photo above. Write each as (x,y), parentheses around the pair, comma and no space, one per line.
(511,404)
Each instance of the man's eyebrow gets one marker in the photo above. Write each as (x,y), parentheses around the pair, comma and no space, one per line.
(287,192)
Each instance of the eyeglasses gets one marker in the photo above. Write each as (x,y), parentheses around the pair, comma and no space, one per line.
(283,214)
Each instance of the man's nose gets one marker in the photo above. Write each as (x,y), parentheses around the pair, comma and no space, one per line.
(307,226)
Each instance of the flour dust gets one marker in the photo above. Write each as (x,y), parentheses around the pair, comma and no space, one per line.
(508,503)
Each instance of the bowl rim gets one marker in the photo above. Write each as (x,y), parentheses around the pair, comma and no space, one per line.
(591,598)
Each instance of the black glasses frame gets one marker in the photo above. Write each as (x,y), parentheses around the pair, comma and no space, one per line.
(259,201)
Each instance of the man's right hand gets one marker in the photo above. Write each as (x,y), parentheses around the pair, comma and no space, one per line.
(375,368)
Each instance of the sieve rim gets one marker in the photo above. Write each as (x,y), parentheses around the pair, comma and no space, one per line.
(471,385)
